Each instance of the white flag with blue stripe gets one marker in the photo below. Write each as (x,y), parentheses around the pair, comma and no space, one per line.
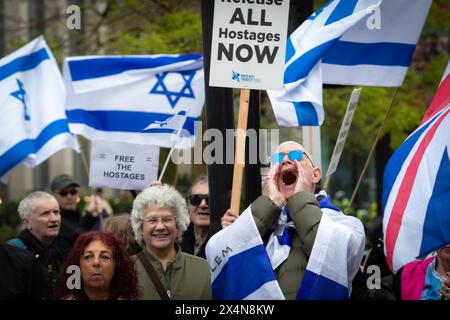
(300,103)
(139,99)
(346,42)
(33,125)
(239,263)
(378,50)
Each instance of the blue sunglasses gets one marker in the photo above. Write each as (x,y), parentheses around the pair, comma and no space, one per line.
(294,155)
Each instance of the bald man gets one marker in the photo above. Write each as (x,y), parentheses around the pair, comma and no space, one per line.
(290,187)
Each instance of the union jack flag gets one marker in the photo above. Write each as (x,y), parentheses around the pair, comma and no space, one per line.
(416,187)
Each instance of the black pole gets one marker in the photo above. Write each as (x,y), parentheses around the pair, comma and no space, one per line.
(219,115)
(252,172)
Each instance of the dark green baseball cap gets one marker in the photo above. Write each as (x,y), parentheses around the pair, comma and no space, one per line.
(62,181)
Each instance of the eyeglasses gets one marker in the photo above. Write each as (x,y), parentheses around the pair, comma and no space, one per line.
(294,155)
(196,199)
(165,220)
(66,192)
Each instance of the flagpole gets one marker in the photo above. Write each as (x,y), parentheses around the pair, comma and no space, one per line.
(239,158)
(366,165)
(161,175)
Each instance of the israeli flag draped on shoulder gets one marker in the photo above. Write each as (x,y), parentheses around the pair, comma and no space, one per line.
(239,263)
(144,99)
(300,103)
(240,269)
(34,125)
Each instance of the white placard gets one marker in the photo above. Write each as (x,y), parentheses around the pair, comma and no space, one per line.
(352,103)
(123,165)
(249,43)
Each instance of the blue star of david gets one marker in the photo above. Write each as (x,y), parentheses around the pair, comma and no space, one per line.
(173,96)
(20,95)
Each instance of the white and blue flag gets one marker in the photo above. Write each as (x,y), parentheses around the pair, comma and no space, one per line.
(240,263)
(240,267)
(346,42)
(378,50)
(34,125)
(139,99)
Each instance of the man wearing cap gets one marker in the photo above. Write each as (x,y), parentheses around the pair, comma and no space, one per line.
(197,234)
(66,190)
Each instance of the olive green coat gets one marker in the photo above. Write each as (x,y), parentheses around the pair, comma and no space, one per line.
(187,278)
(306,214)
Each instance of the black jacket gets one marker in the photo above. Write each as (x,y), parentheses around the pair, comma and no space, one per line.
(49,258)
(72,225)
(21,276)
(188,242)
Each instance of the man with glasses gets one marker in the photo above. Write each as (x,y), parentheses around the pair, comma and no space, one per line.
(66,192)
(196,236)
(288,216)
(40,216)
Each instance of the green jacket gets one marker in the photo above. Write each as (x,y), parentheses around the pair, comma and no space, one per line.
(306,214)
(187,278)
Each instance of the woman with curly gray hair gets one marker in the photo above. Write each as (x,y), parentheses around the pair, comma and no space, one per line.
(159,218)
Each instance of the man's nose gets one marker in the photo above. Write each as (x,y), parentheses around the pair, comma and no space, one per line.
(54,216)
(203,203)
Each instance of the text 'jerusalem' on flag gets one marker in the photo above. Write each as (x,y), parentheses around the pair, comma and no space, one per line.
(34,125)
(416,187)
(143,99)
(242,267)
(346,42)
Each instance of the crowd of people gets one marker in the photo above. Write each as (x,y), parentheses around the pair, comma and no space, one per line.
(158,251)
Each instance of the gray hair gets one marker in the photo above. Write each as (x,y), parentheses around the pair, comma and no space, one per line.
(200,180)
(27,206)
(159,197)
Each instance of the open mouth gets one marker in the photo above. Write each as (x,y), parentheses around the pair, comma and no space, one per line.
(289,177)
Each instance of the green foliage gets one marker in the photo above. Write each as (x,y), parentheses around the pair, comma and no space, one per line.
(9,220)
(177,32)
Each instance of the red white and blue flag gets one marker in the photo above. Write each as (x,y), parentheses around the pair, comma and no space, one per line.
(416,187)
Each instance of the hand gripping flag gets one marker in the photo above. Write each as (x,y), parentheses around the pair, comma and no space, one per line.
(242,267)
(416,187)
(346,42)
(33,124)
(139,99)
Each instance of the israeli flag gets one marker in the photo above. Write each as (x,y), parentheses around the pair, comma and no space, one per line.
(240,267)
(378,50)
(141,99)
(32,95)
(300,103)
(346,42)
(335,258)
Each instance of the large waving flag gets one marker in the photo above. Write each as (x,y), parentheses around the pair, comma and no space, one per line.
(32,95)
(416,187)
(346,42)
(242,267)
(377,51)
(141,99)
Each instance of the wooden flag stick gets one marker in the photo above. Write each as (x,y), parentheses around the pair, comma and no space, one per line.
(239,158)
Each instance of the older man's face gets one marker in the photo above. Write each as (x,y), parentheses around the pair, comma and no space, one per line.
(199,211)
(290,172)
(45,222)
